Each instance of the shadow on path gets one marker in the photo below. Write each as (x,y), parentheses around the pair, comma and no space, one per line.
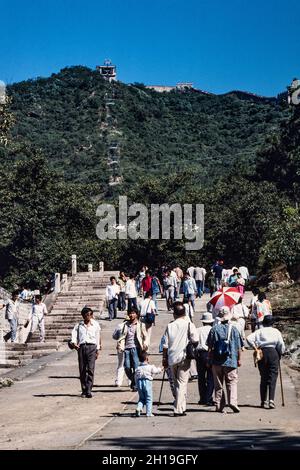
(224,439)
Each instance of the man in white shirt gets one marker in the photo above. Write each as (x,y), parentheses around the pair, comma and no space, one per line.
(191,271)
(170,284)
(86,340)
(131,292)
(112,294)
(200,274)
(189,289)
(205,375)
(179,275)
(177,335)
(11,314)
(36,316)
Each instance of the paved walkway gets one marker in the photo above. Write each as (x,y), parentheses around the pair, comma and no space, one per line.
(45,411)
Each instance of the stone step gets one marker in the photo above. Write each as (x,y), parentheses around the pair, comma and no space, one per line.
(31,346)
(9,357)
(9,364)
(90,284)
(55,330)
(42,352)
(82,293)
(98,274)
(80,300)
(63,318)
(68,302)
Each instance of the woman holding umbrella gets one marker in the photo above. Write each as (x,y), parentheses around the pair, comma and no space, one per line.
(225,297)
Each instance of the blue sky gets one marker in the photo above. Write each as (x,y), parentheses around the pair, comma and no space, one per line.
(217,45)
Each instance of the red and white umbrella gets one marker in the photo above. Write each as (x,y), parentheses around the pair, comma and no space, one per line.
(225,297)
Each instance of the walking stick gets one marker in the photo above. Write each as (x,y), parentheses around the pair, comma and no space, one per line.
(281,386)
(162,383)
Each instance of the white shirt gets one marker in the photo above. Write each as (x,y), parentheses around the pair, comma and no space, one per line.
(147,306)
(12,309)
(177,339)
(203,333)
(241,309)
(38,311)
(112,291)
(191,271)
(173,274)
(240,326)
(146,371)
(267,337)
(82,333)
(253,307)
(189,311)
(200,274)
(130,289)
(244,272)
(226,273)
(24,294)
(170,281)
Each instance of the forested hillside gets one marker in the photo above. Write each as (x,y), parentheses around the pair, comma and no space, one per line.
(63,115)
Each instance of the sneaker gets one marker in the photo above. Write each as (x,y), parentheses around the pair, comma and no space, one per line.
(89,395)
(234,408)
(83,395)
(220,410)
(180,414)
(272,405)
(150,416)
(137,413)
(264,404)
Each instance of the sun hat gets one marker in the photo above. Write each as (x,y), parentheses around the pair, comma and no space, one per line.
(207,318)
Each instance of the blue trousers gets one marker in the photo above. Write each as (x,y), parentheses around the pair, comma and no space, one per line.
(200,288)
(112,308)
(12,334)
(144,387)
(131,363)
(154,298)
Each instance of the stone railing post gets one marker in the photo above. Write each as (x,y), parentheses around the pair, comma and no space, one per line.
(74,264)
(64,283)
(101,266)
(90,268)
(57,283)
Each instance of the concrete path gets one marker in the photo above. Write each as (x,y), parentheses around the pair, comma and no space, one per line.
(45,411)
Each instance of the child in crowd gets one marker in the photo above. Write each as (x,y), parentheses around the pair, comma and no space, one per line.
(143,380)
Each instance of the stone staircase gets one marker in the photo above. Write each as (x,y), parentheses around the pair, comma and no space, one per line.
(86,288)
(16,354)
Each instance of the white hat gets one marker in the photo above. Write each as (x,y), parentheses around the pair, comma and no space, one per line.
(207,318)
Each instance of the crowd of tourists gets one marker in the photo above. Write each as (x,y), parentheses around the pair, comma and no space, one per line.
(212,353)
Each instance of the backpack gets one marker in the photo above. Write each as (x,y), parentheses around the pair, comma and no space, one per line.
(150,318)
(118,333)
(222,347)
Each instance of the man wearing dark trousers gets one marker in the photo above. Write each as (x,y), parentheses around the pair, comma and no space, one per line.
(86,340)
